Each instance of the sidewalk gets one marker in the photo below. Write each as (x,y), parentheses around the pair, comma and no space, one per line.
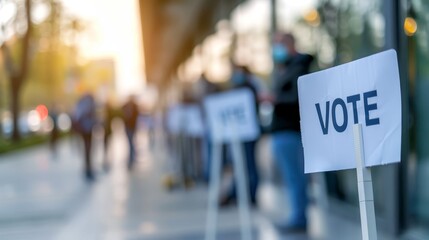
(37,192)
(42,198)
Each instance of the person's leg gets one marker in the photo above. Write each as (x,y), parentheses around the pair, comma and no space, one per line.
(298,177)
(106,163)
(251,172)
(189,164)
(53,142)
(87,140)
(198,158)
(105,141)
(289,156)
(230,194)
(186,162)
(132,147)
(207,153)
(252,169)
(130,138)
(228,163)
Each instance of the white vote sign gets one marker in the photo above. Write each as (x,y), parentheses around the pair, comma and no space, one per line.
(232,116)
(193,120)
(365,91)
(175,119)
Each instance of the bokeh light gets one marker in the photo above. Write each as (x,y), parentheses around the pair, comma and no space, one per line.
(410,26)
(64,122)
(43,111)
(34,120)
(47,125)
(312,18)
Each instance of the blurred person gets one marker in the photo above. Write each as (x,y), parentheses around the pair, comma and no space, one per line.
(109,115)
(130,113)
(203,88)
(84,120)
(286,138)
(150,123)
(243,78)
(170,123)
(53,114)
(188,154)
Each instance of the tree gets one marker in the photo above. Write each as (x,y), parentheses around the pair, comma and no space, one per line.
(17,67)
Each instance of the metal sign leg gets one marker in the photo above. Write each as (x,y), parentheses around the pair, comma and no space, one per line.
(242,189)
(366,196)
(215,174)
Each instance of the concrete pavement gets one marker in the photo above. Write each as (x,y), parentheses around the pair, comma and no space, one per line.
(45,197)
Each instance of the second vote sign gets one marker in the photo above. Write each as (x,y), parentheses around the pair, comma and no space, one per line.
(194,125)
(365,91)
(232,116)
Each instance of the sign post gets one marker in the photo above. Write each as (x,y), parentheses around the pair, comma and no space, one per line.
(364,180)
(243,193)
(351,118)
(214,185)
(231,117)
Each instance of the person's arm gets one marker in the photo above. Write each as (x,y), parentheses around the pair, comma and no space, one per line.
(286,89)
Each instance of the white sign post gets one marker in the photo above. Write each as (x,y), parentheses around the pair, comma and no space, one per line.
(351,118)
(366,196)
(215,174)
(231,118)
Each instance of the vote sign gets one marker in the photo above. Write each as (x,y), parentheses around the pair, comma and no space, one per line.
(175,119)
(193,120)
(365,91)
(232,116)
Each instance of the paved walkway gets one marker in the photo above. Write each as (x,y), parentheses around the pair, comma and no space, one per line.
(44,197)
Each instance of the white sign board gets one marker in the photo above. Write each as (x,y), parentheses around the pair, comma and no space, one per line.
(194,120)
(175,119)
(365,91)
(232,115)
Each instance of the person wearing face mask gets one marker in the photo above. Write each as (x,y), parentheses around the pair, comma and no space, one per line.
(285,127)
(243,78)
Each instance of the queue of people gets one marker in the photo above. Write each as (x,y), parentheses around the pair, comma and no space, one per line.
(286,143)
(284,130)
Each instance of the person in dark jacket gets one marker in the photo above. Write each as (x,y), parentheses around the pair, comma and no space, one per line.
(130,114)
(84,120)
(286,137)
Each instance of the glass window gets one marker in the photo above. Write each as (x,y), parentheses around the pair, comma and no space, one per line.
(357,31)
(419,82)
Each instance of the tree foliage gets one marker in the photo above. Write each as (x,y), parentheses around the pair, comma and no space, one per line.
(35,59)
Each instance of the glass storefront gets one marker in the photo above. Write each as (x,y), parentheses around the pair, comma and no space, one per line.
(358,28)
(364,28)
(360,33)
(419,82)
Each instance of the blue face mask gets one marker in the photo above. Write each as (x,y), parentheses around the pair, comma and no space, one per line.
(280,53)
(238,78)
